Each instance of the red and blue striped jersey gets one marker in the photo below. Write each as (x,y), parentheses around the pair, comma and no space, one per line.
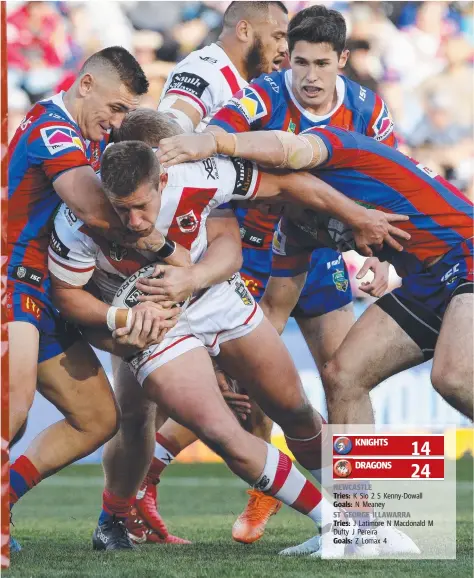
(380,177)
(268,103)
(47,143)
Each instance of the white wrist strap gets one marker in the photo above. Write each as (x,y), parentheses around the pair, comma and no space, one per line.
(111,318)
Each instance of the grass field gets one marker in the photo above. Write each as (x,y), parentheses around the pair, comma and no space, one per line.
(55,521)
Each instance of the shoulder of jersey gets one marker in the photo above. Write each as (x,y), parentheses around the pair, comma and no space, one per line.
(205,173)
(371,108)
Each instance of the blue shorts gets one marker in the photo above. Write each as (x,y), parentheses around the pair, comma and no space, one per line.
(327,287)
(433,287)
(25,303)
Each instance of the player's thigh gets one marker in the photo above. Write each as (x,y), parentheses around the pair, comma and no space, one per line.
(453,357)
(375,348)
(325,333)
(23,346)
(186,389)
(261,361)
(280,297)
(75,382)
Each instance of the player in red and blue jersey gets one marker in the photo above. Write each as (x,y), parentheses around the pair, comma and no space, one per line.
(52,157)
(430,315)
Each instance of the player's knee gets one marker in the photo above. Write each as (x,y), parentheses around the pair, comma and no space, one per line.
(448,378)
(100,423)
(221,437)
(337,381)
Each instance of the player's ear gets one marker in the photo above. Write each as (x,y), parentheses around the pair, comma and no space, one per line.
(85,84)
(343,58)
(163,180)
(244,31)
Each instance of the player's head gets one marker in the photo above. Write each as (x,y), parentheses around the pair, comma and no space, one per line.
(316,41)
(108,85)
(260,29)
(133,182)
(147,125)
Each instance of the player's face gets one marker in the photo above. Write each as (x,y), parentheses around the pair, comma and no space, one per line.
(139,211)
(269,46)
(105,102)
(315,68)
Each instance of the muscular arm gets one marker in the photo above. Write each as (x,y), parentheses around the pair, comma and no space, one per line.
(81,190)
(222,259)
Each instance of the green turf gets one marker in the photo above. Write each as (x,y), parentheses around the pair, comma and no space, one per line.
(55,521)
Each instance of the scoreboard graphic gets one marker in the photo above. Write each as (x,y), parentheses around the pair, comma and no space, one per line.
(388,494)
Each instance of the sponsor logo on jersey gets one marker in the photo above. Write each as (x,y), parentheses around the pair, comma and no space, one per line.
(28,275)
(251,237)
(383,126)
(243,178)
(291,126)
(208,59)
(29,305)
(57,245)
(188,82)
(340,280)
(342,445)
(272,83)
(342,469)
(211,168)
(242,292)
(450,273)
(70,216)
(188,222)
(253,104)
(116,252)
(60,138)
(362,93)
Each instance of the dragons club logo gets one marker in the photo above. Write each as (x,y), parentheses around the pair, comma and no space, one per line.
(342,469)
(342,445)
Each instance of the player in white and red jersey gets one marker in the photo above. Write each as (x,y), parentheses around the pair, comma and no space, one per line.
(224,319)
(252,42)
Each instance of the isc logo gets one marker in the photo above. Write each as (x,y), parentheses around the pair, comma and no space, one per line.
(450,273)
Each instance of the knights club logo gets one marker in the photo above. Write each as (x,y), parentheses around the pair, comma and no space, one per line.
(188,222)
(342,469)
(342,445)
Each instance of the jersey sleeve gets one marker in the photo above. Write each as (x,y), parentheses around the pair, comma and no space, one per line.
(380,126)
(252,108)
(71,253)
(195,82)
(57,147)
(239,179)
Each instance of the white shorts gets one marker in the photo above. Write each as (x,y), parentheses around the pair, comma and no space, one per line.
(224,312)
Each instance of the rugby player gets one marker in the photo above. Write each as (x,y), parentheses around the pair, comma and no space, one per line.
(429,316)
(215,320)
(54,155)
(312,93)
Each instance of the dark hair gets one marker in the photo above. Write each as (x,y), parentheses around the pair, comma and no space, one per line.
(318,24)
(248,11)
(127,165)
(123,64)
(146,125)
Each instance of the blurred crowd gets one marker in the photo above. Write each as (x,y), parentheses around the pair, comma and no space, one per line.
(417,55)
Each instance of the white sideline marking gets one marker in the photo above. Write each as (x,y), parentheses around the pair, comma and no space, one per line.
(191,481)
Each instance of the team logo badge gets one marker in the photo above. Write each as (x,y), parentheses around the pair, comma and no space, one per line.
(383,126)
(342,445)
(340,280)
(291,126)
(60,138)
(342,469)
(253,104)
(20,272)
(188,222)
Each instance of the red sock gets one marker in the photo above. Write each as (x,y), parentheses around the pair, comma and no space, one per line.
(112,504)
(23,477)
(281,479)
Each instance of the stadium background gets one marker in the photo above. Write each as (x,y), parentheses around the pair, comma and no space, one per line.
(417,55)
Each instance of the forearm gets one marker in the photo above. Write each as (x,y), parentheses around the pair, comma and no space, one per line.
(262,147)
(310,191)
(222,259)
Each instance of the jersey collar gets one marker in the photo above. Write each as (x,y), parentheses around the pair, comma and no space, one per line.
(57,99)
(340,91)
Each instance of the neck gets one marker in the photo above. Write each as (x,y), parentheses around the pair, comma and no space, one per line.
(234,52)
(72,104)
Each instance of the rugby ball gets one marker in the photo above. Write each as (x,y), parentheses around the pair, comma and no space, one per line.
(128,293)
